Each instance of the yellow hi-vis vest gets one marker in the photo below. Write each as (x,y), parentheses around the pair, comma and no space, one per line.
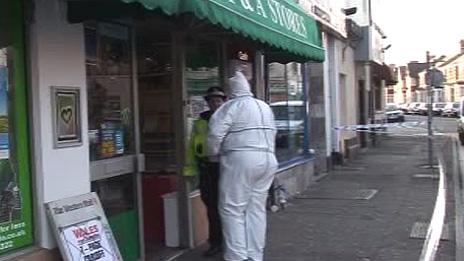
(196,148)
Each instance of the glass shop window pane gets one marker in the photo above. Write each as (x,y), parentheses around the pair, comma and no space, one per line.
(109,86)
(201,72)
(157,102)
(286,99)
(15,193)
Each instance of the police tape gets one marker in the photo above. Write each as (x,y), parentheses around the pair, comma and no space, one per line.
(379,126)
(391,133)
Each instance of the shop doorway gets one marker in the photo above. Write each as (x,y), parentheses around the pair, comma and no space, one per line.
(163,59)
(157,110)
(139,75)
(131,134)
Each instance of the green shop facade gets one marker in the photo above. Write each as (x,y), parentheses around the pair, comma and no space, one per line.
(101,95)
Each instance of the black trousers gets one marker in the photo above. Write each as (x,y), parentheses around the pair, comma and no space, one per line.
(209,183)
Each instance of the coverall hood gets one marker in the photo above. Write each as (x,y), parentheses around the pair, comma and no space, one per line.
(239,86)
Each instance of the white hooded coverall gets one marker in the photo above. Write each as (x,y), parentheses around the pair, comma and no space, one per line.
(242,132)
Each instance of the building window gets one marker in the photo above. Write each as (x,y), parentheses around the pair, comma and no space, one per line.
(287,100)
(390,95)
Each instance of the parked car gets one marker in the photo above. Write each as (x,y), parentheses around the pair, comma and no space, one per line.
(412,106)
(404,107)
(421,109)
(450,109)
(289,121)
(461,120)
(393,113)
(437,108)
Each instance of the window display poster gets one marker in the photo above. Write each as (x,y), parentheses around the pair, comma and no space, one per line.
(112,140)
(15,223)
(82,230)
(4,140)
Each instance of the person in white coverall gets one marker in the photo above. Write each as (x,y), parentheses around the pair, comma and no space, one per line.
(242,133)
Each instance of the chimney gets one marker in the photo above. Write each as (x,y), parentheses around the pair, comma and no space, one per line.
(462,46)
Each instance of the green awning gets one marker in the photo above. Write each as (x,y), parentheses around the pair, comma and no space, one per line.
(278,23)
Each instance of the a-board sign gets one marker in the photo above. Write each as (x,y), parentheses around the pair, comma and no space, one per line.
(82,230)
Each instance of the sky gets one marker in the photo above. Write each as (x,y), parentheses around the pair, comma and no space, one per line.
(415,26)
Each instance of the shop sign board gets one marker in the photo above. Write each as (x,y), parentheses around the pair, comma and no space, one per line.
(82,230)
(277,14)
(327,12)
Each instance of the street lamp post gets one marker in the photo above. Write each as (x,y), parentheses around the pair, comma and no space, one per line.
(429,109)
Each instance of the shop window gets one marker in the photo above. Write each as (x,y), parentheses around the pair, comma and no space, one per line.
(109,86)
(16,225)
(287,100)
(108,48)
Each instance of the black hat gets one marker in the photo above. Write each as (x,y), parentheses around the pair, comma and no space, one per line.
(215,92)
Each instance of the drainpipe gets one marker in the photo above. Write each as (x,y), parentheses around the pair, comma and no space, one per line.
(327,98)
(369,4)
(306,77)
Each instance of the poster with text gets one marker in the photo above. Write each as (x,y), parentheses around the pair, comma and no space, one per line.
(82,230)
(88,241)
(15,210)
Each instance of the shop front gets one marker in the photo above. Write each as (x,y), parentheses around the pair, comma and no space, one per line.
(142,68)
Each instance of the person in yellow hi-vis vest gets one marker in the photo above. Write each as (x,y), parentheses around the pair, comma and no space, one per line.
(206,169)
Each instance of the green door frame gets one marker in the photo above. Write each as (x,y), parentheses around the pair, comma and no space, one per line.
(19,232)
